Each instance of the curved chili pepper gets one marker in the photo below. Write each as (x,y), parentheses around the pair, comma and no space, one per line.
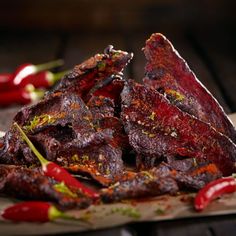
(53,170)
(11,81)
(43,79)
(4,77)
(33,211)
(21,96)
(213,190)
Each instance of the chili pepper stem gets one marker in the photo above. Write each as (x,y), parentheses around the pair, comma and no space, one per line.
(53,170)
(48,65)
(33,69)
(42,160)
(35,94)
(52,78)
(54,214)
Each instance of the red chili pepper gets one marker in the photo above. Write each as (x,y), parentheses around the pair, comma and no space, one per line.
(43,79)
(21,96)
(4,78)
(53,170)
(23,71)
(33,211)
(213,190)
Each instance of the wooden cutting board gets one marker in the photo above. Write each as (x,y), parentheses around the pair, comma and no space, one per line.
(109,215)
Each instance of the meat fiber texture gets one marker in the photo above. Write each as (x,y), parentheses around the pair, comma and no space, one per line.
(158,129)
(31,184)
(95,123)
(66,131)
(167,72)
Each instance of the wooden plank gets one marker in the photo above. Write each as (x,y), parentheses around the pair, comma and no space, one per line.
(27,46)
(217,49)
(211,226)
(186,50)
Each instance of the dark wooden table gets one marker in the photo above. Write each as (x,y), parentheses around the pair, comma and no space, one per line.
(209,49)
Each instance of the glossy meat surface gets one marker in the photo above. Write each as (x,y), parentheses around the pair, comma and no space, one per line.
(75,140)
(157,130)
(167,72)
(92,71)
(157,181)
(25,183)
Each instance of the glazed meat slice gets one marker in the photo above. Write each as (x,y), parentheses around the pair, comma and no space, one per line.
(64,130)
(101,107)
(101,160)
(94,70)
(111,90)
(157,181)
(106,115)
(65,111)
(25,183)
(158,130)
(169,74)
(142,184)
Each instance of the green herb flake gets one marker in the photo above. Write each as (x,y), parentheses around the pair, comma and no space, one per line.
(178,96)
(152,116)
(195,162)
(159,212)
(75,158)
(101,66)
(108,172)
(85,158)
(149,175)
(150,135)
(127,211)
(100,165)
(42,119)
(62,188)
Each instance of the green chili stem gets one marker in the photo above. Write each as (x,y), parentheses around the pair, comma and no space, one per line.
(43,161)
(49,65)
(54,77)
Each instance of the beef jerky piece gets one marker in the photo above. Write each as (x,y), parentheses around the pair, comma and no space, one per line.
(66,112)
(101,107)
(25,183)
(112,90)
(159,180)
(74,141)
(204,174)
(103,163)
(167,72)
(94,70)
(142,184)
(120,138)
(102,160)
(158,129)
(57,109)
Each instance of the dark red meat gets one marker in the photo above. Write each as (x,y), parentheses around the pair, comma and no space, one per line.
(158,180)
(94,70)
(70,137)
(25,183)
(169,74)
(157,130)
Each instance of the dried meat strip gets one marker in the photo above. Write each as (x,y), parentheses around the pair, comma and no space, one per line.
(157,130)
(25,183)
(159,180)
(94,70)
(167,72)
(64,130)
(142,184)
